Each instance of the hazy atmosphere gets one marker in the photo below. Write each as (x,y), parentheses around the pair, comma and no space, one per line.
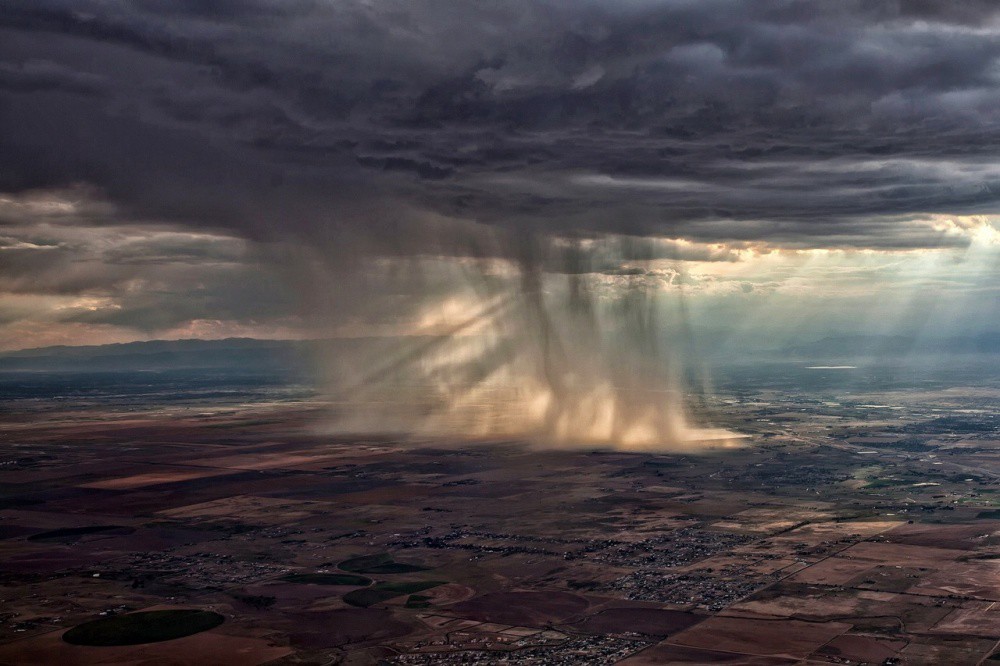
(596,331)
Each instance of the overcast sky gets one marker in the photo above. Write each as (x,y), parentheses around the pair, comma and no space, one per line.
(176,168)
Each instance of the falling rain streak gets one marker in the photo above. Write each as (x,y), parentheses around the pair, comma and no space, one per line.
(553,341)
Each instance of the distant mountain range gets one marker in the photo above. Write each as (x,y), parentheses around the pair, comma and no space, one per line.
(248,355)
(892,346)
(232,354)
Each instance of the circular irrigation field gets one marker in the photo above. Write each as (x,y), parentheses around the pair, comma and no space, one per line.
(145,627)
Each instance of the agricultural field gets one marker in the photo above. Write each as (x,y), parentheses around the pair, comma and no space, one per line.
(242,534)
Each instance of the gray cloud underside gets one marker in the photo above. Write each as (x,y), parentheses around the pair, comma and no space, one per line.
(147,279)
(803,123)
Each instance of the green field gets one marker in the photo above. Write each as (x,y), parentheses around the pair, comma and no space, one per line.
(418,601)
(378,564)
(146,627)
(380,592)
(327,579)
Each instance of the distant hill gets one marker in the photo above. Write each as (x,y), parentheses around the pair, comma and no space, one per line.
(232,354)
(893,346)
(298,357)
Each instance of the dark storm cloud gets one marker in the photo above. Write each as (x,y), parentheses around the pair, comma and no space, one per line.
(38,76)
(804,123)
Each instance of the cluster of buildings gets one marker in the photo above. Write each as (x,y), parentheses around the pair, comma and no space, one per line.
(578,650)
(710,589)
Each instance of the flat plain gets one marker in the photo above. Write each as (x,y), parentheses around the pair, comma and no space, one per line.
(839,531)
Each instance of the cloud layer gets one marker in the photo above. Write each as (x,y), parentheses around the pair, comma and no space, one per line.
(163,163)
(785,121)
